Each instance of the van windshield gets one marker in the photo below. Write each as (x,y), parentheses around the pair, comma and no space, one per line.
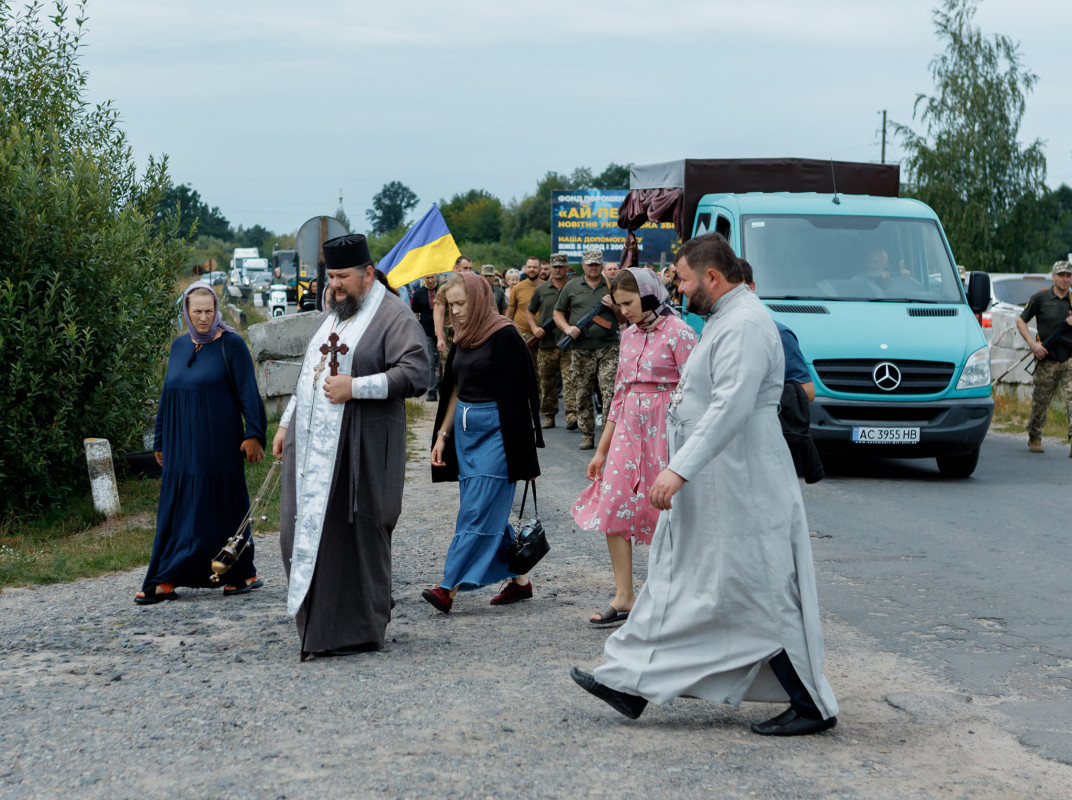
(849,258)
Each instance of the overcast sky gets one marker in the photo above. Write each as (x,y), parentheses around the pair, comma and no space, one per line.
(268,109)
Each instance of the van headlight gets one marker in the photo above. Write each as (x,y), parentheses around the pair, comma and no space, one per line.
(976,370)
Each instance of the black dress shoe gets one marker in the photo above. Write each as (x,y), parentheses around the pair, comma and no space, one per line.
(628,704)
(790,723)
(349,650)
(341,652)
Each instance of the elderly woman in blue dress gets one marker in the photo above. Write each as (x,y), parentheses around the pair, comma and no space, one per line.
(487,432)
(210,422)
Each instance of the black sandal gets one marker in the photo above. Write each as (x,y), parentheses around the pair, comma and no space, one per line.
(152,596)
(609,615)
(245,588)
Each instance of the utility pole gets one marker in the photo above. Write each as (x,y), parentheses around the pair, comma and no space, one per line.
(883,136)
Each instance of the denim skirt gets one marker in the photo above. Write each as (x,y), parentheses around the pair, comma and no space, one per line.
(477,553)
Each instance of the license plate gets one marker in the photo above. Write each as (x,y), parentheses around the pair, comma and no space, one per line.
(862,435)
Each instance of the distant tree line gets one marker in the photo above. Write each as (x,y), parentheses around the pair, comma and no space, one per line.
(484,227)
(208,231)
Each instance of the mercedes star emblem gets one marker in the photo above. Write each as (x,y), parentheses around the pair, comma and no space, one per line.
(886,375)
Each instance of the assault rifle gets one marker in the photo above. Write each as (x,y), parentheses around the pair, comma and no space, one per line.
(566,341)
(547,327)
(1061,336)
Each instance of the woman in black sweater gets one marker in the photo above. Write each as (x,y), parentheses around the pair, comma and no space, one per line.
(487,432)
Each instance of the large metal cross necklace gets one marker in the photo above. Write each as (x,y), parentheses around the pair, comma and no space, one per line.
(332,348)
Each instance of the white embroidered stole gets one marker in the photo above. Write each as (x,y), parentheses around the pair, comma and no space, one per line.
(316,440)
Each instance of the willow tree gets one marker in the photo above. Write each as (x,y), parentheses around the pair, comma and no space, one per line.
(968,163)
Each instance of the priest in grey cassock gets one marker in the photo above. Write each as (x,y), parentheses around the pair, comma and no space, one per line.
(342,439)
(729,611)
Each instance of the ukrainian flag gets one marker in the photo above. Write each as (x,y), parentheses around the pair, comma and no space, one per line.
(426,249)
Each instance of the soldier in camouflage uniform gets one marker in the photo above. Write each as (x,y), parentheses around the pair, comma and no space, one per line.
(594,353)
(1051,309)
(551,363)
(592,368)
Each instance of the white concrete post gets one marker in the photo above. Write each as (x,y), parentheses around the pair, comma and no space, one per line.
(102,477)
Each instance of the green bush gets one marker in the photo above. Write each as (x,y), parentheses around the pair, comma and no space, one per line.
(87,283)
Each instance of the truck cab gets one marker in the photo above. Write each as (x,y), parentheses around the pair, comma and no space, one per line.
(238,264)
(869,286)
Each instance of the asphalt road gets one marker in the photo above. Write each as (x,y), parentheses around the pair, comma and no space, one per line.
(939,626)
(968,577)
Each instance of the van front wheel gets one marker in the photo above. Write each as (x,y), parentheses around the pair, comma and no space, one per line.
(958,466)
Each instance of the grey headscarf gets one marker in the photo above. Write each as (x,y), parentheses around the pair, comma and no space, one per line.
(651,285)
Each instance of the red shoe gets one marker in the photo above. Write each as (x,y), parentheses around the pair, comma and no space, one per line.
(439,598)
(512,593)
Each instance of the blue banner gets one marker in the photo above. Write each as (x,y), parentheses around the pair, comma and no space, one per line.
(588,218)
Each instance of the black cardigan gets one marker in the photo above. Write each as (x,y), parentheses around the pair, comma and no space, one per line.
(518,399)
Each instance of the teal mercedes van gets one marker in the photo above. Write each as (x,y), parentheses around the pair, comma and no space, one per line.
(869,286)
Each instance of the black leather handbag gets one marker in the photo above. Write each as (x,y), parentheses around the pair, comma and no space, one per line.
(530,544)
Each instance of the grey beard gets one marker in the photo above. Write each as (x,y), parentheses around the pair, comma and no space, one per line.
(345,308)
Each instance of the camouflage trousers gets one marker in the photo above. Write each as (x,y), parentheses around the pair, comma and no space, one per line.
(593,368)
(1048,376)
(553,364)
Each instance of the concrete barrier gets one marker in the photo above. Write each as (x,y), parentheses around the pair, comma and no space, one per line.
(278,347)
(237,315)
(1008,361)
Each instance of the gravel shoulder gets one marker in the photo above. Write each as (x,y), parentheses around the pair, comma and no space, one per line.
(205,697)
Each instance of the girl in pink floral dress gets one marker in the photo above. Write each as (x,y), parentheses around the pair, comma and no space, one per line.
(632,450)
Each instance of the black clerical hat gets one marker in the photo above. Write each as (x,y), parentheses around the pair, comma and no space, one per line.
(347,251)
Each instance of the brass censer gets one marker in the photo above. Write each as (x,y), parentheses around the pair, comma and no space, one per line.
(237,544)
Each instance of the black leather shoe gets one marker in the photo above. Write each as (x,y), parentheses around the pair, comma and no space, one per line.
(339,652)
(790,723)
(628,704)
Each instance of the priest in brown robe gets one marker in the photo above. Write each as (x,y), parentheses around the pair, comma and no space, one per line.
(342,439)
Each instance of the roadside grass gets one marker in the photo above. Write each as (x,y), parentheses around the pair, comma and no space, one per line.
(254,314)
(1011,415)
(69,542)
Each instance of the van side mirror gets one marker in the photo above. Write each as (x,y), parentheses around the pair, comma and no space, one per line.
(978,292)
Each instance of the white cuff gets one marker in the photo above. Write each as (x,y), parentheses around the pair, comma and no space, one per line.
(369,387)
(284,421)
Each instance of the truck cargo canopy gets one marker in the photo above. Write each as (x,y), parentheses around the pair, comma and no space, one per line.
(670,190)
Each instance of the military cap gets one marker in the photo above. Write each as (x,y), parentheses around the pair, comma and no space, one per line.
(592,256)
